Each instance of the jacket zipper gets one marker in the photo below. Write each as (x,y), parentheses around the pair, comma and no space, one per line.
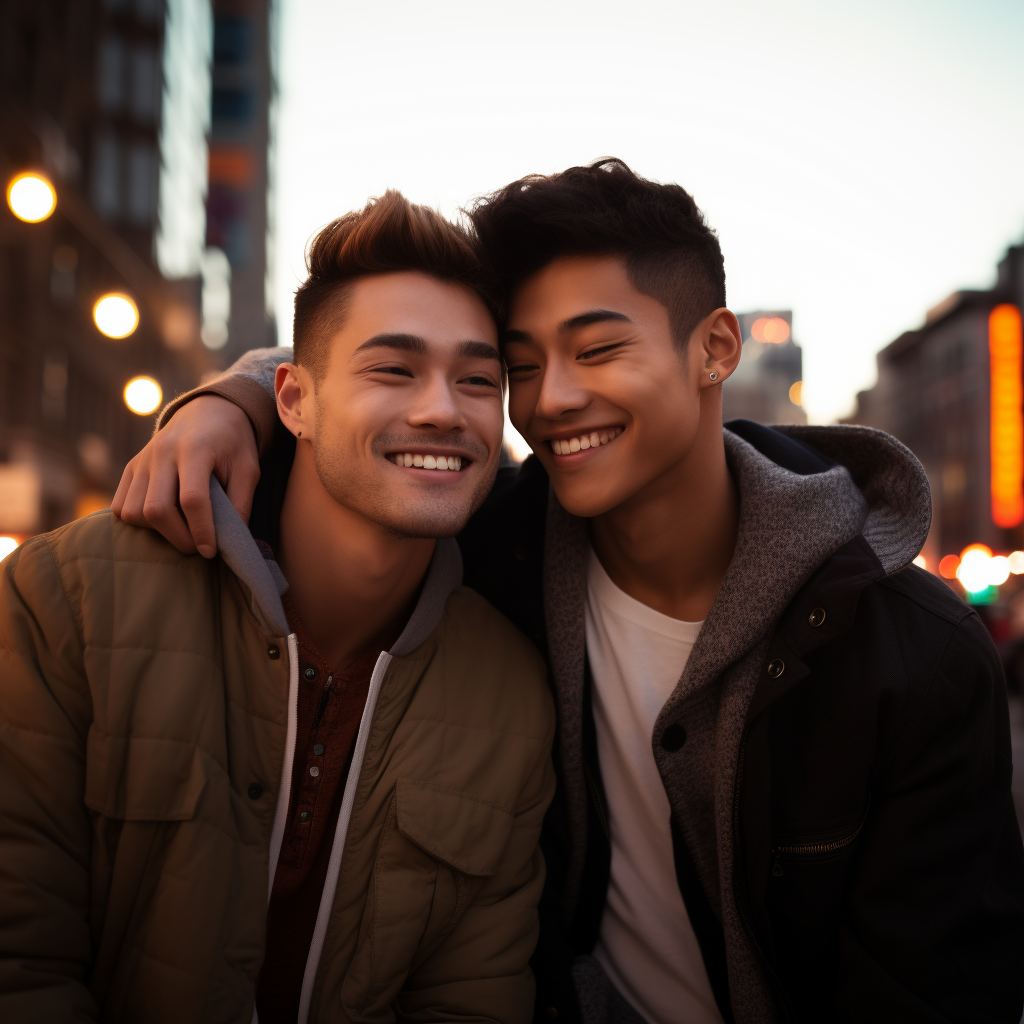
(810,849)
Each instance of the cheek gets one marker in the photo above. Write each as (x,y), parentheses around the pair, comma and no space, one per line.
(522,401)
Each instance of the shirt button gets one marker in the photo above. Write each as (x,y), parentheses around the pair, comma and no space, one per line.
(255,791)
(310,673)
(318,749)
(776,668)
(673,738)
(817,617)
(314,771)
(273,652)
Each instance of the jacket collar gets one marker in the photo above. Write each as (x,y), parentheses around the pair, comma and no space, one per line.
(265,581)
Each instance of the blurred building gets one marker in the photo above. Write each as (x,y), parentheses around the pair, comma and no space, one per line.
(82,100)
(952,392)
(237,312)
(766,386)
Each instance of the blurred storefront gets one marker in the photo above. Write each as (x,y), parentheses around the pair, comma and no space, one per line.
(766,386)
(109,104)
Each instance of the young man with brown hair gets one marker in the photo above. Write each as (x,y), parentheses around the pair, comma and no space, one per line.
(305,780)
(783,751)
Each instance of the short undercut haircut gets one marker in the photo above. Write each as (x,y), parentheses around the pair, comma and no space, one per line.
(388,235)
(606,210)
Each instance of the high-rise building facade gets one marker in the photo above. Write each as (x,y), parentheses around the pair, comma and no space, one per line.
(82,102)
(236,267)
(766,386)
(952,392)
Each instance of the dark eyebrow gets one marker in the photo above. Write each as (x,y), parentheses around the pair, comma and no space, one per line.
(594,316)
(511,335)
(478,350)
(403,342)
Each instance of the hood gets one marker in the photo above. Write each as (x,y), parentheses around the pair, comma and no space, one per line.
(266,583)
(892,482)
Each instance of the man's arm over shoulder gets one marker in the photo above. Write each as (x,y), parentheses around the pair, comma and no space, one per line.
(249,384)
(481,970)
(45,830)
(935,924)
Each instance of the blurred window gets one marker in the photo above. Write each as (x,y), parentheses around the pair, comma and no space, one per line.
(145,84)
(231,38)
(106,175)
(231,104)
(149,12)
(141,184)
(110,75)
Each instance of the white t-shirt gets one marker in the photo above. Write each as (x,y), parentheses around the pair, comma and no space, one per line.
(646,944)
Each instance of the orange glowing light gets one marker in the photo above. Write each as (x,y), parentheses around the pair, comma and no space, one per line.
(976,547)
(772,330)
(1007,419)
(948,567)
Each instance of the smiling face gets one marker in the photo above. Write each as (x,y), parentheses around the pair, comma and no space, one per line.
(405,421)
(598,386)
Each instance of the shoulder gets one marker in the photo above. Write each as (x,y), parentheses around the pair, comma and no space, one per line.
(941,648)
(89,557)
(498,665)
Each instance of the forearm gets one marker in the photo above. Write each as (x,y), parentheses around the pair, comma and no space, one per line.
(249,384)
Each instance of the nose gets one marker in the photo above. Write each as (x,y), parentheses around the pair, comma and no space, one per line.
(435,406)
(560,390)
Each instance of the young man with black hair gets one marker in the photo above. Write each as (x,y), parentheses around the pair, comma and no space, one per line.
(305,780)
(783,750)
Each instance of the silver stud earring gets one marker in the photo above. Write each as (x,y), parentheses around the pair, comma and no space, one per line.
(713,375)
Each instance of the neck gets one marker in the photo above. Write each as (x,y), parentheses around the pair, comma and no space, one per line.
(669,545)
(352,584)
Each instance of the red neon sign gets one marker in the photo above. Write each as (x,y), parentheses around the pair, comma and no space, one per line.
(1007,419)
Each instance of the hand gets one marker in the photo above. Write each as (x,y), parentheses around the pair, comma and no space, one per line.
(167,485)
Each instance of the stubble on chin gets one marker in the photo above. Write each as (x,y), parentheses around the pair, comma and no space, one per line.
(358,486)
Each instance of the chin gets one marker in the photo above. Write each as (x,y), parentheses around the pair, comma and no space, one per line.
(586,502)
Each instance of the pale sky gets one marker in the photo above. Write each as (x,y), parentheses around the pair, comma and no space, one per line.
(859,160)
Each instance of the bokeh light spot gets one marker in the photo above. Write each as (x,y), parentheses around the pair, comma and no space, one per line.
(143,395)
(31,198)
(116,316)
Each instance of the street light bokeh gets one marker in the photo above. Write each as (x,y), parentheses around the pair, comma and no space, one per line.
(116,315)
(31,197)
(143,395)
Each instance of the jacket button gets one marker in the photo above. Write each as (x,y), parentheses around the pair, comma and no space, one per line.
(673,738)
(310,673)
(776,668)
(273,652)
(551,1013)
(521,553)
(817,617)
(255,791)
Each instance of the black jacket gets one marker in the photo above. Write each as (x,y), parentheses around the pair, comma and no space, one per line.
(880,870)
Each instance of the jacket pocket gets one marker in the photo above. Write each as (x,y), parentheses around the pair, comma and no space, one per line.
(464,833)
(815,845)
(142,778)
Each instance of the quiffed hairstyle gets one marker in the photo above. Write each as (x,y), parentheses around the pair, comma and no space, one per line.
(389,234)
(606,210)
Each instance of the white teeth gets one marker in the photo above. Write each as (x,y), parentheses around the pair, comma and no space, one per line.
(585,441)
(452,462)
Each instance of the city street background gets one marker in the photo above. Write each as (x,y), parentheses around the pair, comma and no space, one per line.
(166,161)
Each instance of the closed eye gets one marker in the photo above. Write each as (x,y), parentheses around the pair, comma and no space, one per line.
(603,350)
(484,382)
(398,371)
(521,368)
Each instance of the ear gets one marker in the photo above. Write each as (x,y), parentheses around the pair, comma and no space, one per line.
(296,400)
(722,344)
